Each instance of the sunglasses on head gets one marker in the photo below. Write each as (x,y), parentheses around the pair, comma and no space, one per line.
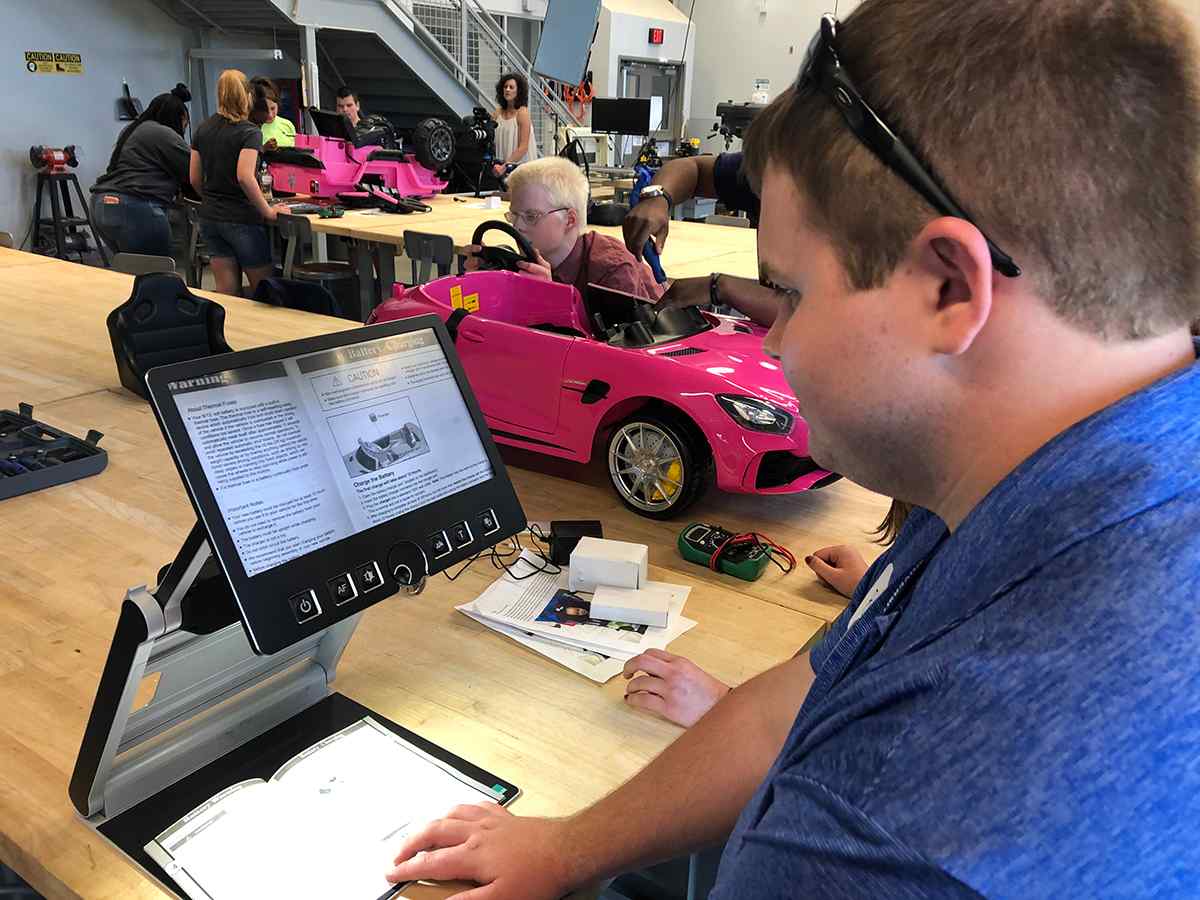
(823,71)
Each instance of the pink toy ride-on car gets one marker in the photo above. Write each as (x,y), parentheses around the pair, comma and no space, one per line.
(676,398)
(335,166)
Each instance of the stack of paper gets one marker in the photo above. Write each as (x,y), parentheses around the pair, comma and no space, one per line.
(541,613)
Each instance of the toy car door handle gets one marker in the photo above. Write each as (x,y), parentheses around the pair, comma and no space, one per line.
(469,334)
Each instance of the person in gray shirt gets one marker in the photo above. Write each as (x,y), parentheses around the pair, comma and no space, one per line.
(147,170)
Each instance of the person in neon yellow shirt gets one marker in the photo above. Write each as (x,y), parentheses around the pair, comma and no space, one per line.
(276,130)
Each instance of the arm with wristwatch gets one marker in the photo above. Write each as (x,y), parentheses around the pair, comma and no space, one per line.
(677,181)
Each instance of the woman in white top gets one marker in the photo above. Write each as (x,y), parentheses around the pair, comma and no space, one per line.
(515,142)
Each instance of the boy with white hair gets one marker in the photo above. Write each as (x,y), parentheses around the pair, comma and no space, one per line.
(549,199)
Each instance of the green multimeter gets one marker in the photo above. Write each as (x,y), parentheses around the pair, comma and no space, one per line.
(698,542)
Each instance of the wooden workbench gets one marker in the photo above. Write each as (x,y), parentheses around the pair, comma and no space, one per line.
(70,552)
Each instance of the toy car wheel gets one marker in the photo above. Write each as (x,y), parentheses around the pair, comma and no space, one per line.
(433,143)
(657,467)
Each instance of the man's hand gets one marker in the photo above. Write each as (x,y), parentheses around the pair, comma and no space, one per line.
(510,857)
(685,292)
(498,169)
(672,686)
(650,218)
(538,269)
(842,568)
(270,145)
(277,210)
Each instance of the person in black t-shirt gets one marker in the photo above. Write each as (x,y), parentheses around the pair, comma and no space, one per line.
(224,171)
(147,170)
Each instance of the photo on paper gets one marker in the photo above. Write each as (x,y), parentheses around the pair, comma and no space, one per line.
(379,436)
(566,609)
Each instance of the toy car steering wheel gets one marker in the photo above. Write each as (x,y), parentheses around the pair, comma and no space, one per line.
(501,258)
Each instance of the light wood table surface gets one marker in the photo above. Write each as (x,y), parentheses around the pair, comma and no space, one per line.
(71,551)
(11,258)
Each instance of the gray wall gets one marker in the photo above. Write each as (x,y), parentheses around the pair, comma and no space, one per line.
(205,74)
(736,44)
(129,39)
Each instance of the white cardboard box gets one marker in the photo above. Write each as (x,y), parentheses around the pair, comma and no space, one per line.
(645,606)
(596,561)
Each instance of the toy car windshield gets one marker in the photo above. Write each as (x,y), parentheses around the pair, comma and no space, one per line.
(626,320)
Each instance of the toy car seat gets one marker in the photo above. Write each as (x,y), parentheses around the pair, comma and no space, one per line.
(163,322)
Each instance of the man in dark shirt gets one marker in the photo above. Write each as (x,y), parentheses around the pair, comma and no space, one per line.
(722,178)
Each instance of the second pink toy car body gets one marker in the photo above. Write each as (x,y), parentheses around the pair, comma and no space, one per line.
(674,400)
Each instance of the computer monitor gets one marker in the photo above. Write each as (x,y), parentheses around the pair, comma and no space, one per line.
(331,124)
(621,116)
(331,471)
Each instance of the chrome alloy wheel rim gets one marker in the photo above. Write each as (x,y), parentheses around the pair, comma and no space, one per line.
(646,466)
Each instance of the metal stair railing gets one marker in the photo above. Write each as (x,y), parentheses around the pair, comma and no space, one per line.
(471,45)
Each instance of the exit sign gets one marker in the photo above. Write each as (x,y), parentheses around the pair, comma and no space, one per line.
(656,35)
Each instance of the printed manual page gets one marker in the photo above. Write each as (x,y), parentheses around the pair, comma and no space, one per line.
(541,606)
(327,824)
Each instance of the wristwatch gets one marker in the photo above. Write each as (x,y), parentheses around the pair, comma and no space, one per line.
(657,190)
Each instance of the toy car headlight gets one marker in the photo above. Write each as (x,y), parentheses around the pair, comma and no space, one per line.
(757,415)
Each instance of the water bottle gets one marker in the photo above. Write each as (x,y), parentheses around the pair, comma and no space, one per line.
(265,180)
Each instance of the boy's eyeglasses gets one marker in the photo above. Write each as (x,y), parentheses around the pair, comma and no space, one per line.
(822,70)
(530,218)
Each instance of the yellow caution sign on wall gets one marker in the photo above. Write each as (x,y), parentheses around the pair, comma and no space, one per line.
(50,62)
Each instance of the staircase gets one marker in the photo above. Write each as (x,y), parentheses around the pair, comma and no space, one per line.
(407,59)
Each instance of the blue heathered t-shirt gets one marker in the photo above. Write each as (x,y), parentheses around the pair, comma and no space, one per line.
(1022,718)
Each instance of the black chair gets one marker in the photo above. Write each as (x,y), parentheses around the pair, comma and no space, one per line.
(296,232)
(163,322)
(291,293)
(197,255)
(426,251)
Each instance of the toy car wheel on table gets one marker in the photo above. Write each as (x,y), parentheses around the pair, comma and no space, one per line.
(657,466)
(433,143)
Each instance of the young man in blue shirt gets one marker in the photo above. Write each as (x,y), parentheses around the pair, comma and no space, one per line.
(992,324)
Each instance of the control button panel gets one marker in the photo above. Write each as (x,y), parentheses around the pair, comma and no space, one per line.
(461,535)
(342,589)
(305,606)
(486,523)
(367,576)
(439,544)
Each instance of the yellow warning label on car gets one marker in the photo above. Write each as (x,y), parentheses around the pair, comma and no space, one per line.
(470,302)
(51,62)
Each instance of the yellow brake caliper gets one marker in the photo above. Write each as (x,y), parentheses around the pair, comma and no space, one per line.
(674,471)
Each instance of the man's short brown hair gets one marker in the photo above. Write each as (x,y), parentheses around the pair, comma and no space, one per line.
(1068,129)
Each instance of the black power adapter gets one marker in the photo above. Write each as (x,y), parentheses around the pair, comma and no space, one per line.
(564,535)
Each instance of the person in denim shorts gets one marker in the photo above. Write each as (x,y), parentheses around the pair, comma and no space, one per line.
(224,170)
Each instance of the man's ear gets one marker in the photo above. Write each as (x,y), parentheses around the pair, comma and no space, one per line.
(953,261)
